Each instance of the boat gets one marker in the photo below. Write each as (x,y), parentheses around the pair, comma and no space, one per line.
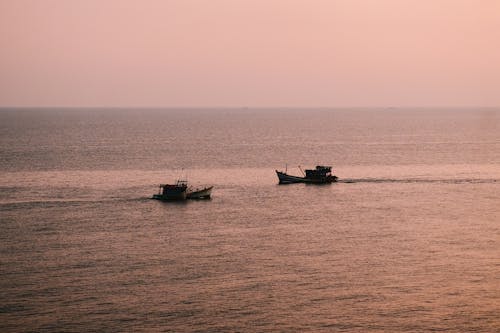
(172,192)
(320,175)
(181,191)
(199,193)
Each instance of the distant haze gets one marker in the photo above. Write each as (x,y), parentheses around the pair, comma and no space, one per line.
(250,53)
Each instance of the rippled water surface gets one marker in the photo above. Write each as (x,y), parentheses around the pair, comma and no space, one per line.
(407,241)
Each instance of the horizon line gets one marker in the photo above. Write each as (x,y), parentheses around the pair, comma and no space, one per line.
(246,107)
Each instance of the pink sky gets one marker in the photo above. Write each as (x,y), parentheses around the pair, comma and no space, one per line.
(250,53)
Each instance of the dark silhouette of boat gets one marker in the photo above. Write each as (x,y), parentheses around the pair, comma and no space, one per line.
(172,192)
(319,175)
(181,191)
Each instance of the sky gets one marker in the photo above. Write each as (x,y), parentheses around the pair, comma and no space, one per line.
(250,53)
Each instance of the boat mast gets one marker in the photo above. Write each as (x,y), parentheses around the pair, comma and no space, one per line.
(302,171)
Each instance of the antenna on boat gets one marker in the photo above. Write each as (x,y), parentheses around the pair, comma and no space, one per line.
(181,173)
(286,167)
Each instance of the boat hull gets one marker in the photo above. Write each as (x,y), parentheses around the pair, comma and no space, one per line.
(204,193)
(288,179)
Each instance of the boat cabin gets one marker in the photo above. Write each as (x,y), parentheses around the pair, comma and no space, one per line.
(320,172)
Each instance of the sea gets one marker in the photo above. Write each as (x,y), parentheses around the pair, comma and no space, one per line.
(408,239)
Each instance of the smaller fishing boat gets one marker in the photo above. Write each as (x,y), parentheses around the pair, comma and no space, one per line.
(320,175)
(181,191)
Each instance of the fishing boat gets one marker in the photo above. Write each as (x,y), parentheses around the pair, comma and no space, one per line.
(320,175)
(181,191)
(172,192)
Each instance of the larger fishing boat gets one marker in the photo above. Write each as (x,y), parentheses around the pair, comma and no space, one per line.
(320,175)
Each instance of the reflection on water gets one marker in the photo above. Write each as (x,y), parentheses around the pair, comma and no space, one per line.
(406,241)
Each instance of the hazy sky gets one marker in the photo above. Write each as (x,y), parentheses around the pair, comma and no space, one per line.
(250,53)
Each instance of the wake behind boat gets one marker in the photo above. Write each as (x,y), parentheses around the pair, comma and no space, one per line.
(319,175)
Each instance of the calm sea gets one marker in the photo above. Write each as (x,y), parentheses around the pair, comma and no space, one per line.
(407,241)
